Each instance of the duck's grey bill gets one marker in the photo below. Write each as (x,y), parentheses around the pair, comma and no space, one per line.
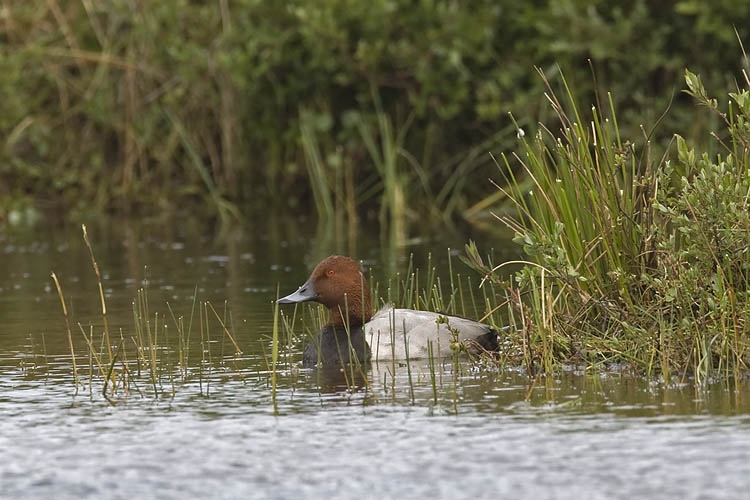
(303,294)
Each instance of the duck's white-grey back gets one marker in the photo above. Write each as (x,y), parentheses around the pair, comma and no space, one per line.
(385,334)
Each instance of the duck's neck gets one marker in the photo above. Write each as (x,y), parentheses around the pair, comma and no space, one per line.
(356,311)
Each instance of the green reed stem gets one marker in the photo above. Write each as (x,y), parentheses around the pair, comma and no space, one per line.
(111,370)
(408,365)
(315,168)
(101,290)
(208,349)
(431,364)
(67,329)
(90,342)
(275,350)
(237,349)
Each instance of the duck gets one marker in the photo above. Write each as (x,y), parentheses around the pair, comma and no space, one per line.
(354,334)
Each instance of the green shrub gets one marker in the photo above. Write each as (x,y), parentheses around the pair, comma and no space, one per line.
(632,260)
(147,106)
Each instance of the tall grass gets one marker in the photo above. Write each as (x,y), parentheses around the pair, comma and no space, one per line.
(67,330)
(275,349)
(331,178)
(583,221)
(631,259)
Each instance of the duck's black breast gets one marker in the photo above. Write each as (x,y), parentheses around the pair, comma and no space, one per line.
(335,346)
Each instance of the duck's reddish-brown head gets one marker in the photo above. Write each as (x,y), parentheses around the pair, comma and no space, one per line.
(337,283)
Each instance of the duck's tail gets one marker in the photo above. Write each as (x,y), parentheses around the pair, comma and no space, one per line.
(488,341)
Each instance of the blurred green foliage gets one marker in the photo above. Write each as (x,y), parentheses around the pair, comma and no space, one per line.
(145,106)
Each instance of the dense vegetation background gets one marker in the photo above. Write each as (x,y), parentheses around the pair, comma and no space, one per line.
(365,105)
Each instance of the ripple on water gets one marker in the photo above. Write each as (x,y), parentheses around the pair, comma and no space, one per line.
(474,435)
(370,443)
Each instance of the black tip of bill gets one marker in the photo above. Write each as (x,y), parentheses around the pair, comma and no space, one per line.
(303,294)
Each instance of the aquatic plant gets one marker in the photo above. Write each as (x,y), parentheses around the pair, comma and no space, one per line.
(631,259)
(147,357)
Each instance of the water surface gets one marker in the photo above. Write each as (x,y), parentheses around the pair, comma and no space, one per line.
(215,430)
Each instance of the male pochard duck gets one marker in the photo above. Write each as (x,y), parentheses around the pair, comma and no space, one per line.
(338,283)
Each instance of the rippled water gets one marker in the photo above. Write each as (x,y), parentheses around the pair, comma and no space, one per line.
(217,431)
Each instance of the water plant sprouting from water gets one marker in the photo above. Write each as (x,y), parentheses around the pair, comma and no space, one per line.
(147,361)
(631,259)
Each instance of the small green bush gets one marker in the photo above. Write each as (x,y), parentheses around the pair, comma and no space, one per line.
(632,260)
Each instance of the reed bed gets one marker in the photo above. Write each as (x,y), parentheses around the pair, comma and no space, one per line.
(632,261)
(159,354)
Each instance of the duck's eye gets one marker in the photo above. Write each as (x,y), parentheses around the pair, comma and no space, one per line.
(330,272)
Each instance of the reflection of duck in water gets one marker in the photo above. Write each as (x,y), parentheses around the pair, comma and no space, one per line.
(338,283)
(330,379)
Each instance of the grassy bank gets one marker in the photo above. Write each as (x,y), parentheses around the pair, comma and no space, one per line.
(632,258)
(350,107)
